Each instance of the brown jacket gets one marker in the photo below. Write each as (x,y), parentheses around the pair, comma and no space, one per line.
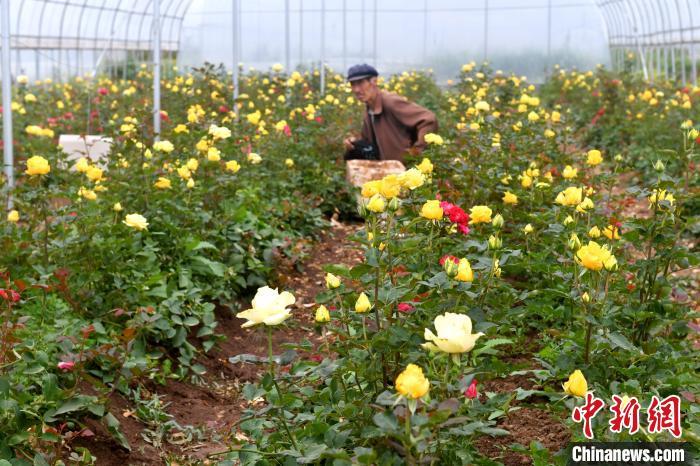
(398,125)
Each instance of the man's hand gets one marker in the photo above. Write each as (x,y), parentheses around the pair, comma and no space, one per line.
(348,142)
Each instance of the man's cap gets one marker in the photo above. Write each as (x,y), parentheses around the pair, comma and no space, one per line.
(362,71)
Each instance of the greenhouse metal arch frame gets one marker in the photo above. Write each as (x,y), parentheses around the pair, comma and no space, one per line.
(662,34)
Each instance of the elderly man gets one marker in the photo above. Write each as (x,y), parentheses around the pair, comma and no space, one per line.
(392,124)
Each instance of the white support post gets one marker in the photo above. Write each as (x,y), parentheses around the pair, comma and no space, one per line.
(236,51)
(286,37)
(8,156)
(156,70)
(323,47)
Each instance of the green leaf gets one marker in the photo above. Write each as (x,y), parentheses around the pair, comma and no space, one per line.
(115,429)
(386,421)
(489,344)
(620,341)
(73,404)
(205,266)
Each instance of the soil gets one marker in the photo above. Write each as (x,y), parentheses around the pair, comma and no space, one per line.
(214,405)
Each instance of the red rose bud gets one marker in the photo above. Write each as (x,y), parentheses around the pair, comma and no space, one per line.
(223,109)
(102,91)
(3,294)
(471,391)
(14,296)
(66,366)
(405,307)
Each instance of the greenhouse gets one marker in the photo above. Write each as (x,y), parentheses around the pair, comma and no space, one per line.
(328,232)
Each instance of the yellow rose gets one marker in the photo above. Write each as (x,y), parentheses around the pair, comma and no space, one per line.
(82,165)
(426,166)
(362,304)
(569,172)
(219,132)
(510,198)
(94,173)
(411,383)
(332,281)
(88,194)
(412,178)
(479,214)
(213,154)
(533,116)
(592,256)
(190,183)
(570,196)
(269,307)
(233,166)
(454,334)
(322,315)
(184,173)
(431,210)
(576,385)
(371,188)
(527,229)
(585,205)
(254,118)
(37,165)
(432,138)
(376,204)
(254,158)
(555,117)
(162,183)
(594,157)
(525,181)
(13,216)
(136,221)
(192,165)
(289,163)
(390,186)
(163,146)
(181,129)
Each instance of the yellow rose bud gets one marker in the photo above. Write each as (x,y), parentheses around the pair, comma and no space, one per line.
(376,204)
(576,385)
(362,304)
(289,163)
(527,229)
(585,298)
(332,281)
(117,207)
(594,232)
(13,216)
(464,271)
(322,315)
(162,183)
(497,221)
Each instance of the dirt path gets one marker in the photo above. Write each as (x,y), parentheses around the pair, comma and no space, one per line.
(213,406)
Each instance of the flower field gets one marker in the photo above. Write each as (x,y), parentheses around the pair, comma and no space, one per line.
(538,260)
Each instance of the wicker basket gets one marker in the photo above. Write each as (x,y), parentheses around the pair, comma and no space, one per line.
(361,171)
